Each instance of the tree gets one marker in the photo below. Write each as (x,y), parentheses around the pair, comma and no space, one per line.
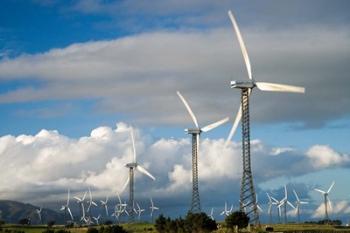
(237,218)
(161,223)
(199,222)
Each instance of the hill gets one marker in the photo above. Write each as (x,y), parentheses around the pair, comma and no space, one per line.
(13,211)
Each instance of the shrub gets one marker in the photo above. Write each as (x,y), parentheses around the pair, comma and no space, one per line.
(92,230)
(113,229)
(237,218)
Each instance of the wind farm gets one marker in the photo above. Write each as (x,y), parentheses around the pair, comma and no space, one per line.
(94,97)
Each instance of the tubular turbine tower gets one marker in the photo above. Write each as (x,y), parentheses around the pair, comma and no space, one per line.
(247,193)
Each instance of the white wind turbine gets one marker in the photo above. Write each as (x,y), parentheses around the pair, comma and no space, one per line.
(90,202)
(66,208)
(38,212)
(226,211)
(139,211)
(132,166)
(153,208)
(298,203)
(195,132)
(270,203)
(104,204)
(284,203)
(247,187)
(97,219)
(327,201)
(80,202)
(211,215)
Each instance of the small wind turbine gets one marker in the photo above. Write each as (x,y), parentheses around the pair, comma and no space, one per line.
(132,166)
(211,214)
(195,132)
(80,201)
(284,203)
(38,212)
(66,208)
(327,201)
(226,211)
(298,203)
(97,218)
(139,211)
(270,203)
(247,194)
(90,202)
(153,208)
(104,204)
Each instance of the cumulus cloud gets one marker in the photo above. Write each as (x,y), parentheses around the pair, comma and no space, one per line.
(325,156)
(340,207)
(48,163)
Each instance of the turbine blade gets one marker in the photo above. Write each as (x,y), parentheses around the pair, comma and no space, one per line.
(68,197)
(290,204)
(120,201)
(279,87)
(77,198)
(70,213)
(330,188)
(84,196)
(133,145)
(188,109)
(285,193)
(241,44)
(274,199)
(144,171)
(320,191)
(124,186)
(214,125)
(235,125)
(296,195)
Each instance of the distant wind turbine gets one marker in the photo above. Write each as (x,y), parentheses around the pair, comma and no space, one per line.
(298,203)
(66,208)
(327,201)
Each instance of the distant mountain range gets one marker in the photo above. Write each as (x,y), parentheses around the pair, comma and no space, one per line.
(13,212)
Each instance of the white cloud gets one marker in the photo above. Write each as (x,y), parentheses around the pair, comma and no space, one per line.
(336,208)
(48,163)
(120,74)
(324,156)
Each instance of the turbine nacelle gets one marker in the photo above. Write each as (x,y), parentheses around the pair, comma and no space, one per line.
(243,84)
(131,165)
(193,131)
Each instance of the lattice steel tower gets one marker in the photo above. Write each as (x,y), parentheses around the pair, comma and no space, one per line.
(195,204)
(195,132)
(131,202)
(247,195)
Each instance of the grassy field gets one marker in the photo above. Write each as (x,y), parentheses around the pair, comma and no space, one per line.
(147,227)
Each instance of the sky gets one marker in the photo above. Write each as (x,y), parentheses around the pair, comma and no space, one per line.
(76,76)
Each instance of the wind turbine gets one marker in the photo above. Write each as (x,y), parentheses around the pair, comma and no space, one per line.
(80,201)
(38,212)
(226,211)
(247,194)
(97,218)
(139,211)
(132,166)
(104,204)
(270,203)
(211,214)
(298,203)
(195,132)
(284,203)
(153,208)
(327,201)
(90,201)
(66,208)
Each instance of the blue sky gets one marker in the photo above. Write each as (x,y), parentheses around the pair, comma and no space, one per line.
(73,66)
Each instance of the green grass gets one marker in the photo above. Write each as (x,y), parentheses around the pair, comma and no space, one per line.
(148,227)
